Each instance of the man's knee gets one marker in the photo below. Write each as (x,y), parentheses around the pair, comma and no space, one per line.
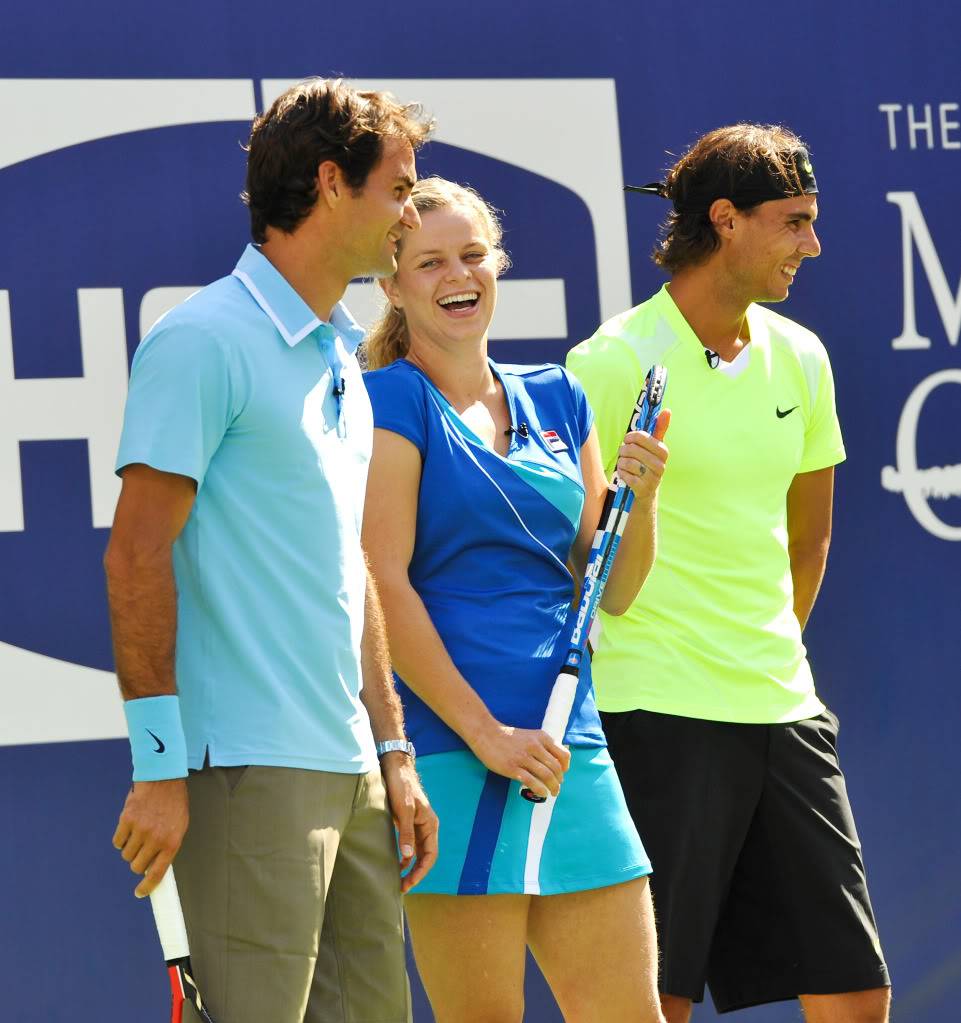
(675,1009)
(871,1006)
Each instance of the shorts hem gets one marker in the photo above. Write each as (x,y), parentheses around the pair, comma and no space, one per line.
(693,992)
(823,984)
(722,1008)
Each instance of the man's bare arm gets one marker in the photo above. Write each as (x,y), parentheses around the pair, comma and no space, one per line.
(379,694)
(414,819)
(809,508)
(151,513)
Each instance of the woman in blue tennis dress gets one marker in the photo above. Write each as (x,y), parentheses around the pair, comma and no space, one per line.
(486,482)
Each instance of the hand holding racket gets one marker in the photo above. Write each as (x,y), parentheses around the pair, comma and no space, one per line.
(169,917)
(617,507)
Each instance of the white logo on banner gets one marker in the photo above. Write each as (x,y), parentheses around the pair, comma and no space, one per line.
(523,122)
(921,486)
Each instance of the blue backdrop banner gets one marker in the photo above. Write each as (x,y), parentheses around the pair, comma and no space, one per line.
(120,168)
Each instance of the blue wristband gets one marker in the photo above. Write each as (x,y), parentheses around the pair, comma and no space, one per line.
(157,741)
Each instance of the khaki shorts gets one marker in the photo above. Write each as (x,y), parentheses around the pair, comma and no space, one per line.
(291,892)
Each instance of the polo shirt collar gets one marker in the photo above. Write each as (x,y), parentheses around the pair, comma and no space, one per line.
(289,313)
(673,317)
(669,311)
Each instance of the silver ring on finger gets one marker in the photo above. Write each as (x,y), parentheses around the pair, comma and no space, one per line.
(641,469)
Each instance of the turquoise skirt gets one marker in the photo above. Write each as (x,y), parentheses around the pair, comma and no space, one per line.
(493,841)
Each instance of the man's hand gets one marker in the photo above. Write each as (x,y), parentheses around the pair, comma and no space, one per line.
(414,819)
(151,827)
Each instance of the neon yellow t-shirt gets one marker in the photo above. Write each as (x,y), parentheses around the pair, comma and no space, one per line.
(713,633)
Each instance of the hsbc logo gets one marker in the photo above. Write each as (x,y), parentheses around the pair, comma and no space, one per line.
(520,123)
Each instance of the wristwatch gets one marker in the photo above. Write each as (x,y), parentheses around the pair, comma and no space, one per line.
(395,746)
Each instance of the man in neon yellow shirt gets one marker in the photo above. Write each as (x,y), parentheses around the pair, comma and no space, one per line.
(726,754)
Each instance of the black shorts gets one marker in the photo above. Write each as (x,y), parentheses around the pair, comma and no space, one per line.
(758,883)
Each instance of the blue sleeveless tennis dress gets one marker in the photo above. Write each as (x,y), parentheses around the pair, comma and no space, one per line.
(490,564)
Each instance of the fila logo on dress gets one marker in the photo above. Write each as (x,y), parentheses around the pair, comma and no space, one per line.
(553,440)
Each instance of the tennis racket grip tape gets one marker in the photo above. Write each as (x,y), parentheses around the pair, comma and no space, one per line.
(556,716)
(560,705)
(169,917)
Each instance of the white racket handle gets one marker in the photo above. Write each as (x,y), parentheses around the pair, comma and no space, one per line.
(169,917)
(559,706)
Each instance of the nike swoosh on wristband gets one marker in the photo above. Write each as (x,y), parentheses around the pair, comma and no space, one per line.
(160,745)
(781,414)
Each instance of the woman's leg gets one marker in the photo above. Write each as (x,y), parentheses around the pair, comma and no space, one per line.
(598,951)
(470,952)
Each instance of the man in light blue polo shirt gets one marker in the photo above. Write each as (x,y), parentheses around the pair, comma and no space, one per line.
(249,641)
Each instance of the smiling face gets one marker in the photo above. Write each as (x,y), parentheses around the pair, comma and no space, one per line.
(377,215)
(446,281)
(768,243)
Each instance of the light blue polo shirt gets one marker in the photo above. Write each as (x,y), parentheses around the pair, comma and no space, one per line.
(236,389)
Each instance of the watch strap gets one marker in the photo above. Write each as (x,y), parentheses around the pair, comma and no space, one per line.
(395,746)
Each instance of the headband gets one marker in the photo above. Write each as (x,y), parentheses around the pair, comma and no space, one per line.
(760,184)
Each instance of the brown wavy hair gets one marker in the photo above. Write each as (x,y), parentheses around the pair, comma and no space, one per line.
(710,170)
(389,339)
(316,120)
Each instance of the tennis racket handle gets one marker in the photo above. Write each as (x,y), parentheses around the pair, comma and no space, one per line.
(556,716)
(559,706)
(169,917)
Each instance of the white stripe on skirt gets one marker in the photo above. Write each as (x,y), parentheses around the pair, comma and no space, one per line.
(540,822)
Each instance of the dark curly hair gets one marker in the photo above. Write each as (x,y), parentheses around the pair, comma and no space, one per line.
(711,169)
(316,120)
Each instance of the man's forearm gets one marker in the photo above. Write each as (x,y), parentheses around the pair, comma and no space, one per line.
(143,617)
(807,571)
(809,505)
(142,594)
(378,694)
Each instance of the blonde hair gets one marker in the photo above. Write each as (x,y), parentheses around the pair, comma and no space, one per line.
(389,339)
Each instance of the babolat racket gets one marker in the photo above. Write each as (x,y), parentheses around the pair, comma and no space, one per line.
(169,916)
(617,507)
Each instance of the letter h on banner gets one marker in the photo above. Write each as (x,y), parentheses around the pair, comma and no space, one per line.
(88,407)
